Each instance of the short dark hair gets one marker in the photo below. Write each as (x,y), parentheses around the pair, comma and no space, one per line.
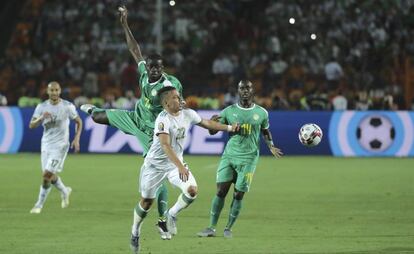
(164,91)
(154,57)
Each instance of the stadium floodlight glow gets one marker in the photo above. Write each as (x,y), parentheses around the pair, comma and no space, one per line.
(313,36)
(292,21)
(172,2)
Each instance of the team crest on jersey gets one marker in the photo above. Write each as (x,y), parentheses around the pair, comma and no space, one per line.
(154,92)
(255,117)
(161,127)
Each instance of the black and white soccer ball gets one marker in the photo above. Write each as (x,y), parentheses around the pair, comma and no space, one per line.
(375,133)
(310,134)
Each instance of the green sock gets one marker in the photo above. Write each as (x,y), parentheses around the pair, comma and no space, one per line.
(216,207)
(235,208)
(162,200)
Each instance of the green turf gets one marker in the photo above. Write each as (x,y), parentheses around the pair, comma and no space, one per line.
(296,205)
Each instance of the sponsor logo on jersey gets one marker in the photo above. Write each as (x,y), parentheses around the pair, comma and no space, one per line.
(161,127)
(255,117)
(154,92)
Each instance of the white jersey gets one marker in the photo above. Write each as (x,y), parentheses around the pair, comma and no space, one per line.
(56,128)
(176,127)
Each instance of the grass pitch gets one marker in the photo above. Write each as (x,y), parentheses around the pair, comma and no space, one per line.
(296,205)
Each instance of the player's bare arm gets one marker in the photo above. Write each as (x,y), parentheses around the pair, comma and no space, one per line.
(78,130)
(267,135)
(35,122)
(166,147)
(132,43)
(214,125)
(215,118)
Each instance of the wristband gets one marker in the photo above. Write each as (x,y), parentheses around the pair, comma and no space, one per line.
(229,128)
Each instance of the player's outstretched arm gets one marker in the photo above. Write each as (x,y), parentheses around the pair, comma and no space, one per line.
(132,43)
(213,125)
(214,118)
(78,130)
(166,147)
(267,135)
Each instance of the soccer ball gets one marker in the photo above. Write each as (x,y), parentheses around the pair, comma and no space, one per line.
(375,133)
(310,134)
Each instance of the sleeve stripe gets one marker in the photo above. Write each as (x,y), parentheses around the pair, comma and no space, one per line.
(143,61)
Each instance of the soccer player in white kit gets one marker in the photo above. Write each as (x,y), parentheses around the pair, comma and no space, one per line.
(54,115)
(165,160)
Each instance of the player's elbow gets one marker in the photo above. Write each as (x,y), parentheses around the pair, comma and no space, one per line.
(212,132)
(32,126)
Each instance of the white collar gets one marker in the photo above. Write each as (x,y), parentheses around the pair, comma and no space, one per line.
(240,107)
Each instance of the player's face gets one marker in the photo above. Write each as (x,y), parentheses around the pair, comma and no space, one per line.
(245,90)
(174,101)
(53,90)
(154,69)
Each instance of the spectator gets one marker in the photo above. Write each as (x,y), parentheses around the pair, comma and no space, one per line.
(339,102)
(3,100)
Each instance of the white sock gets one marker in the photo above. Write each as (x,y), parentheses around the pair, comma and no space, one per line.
(182,202)
(60,186)
(139,215)
(42,196)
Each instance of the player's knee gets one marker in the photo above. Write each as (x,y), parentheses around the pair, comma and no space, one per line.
(146,203)
(238,195)
(47,176)
(221,193)
(99,117)
(192,191)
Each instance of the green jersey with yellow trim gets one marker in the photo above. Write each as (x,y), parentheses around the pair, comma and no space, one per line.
(244,146)
(149,106)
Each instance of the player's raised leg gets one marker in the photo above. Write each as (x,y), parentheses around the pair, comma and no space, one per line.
(188,195)
(98,115)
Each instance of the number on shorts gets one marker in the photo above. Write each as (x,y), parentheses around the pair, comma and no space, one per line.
(54,163)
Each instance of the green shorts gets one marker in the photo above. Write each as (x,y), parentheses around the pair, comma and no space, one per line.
(240,173)
(129,123)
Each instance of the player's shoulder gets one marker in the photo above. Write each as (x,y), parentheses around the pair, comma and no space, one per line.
(261,109)
(162,114)
(189,111)
(66,103)
(170,80)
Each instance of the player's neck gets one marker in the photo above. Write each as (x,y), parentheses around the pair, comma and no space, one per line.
(54,102)
(246,104)
(173,113)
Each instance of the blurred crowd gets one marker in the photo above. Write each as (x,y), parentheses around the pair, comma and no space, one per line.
(300,55)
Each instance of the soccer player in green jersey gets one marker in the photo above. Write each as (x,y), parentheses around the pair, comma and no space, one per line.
(238,163)
(140,122)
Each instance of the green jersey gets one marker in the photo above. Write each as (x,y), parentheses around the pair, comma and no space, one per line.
(148,106)
(244,146)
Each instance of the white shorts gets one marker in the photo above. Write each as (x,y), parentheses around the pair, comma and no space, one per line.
(53,159)
(152,177)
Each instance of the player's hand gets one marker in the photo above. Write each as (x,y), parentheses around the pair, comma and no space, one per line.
(184,173)
(215,118)
(235,127)
(75,145)
(123,14)
(46,115)
(275,151)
